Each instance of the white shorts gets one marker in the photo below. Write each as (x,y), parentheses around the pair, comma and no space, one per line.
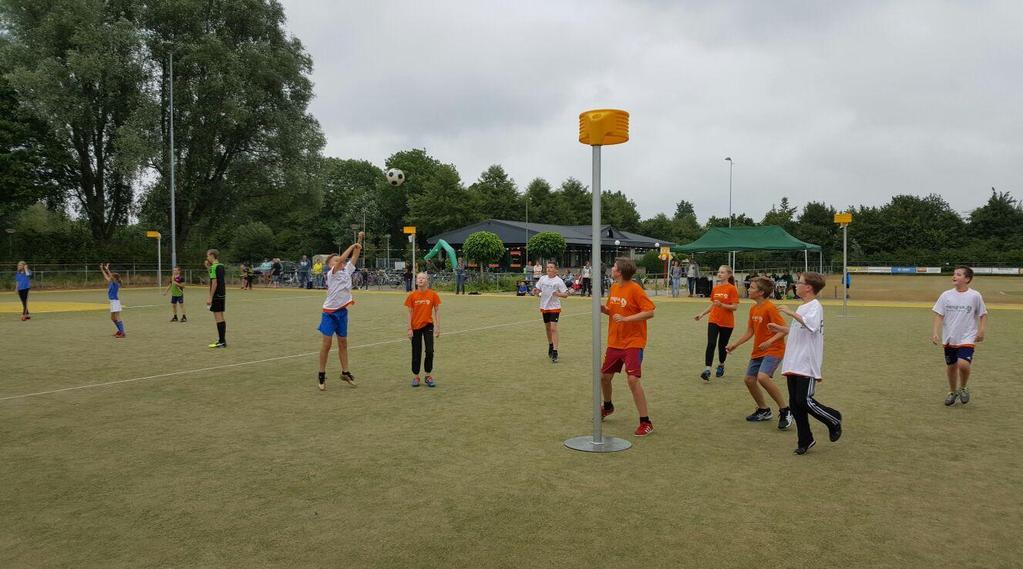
(115,306)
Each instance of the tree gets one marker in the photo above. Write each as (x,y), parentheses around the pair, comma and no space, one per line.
(82,69)
(252,241)
(659,227)
(684,209)
(496,195)
(442,205)
(547,245)
(618,210)
(782,215)
(484,248)
(419,167)
(546,206)
(738,220)
(577,201)
(1000,218)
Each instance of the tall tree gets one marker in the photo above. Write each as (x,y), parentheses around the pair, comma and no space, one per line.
(443,204)
(1000,218)
(577,200)
(618,210)
(82,69)
(496,195)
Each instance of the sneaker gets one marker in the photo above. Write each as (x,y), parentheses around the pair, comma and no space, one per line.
(323,385)
(604,412)
(836,433)
(760,415)
(951,398)
(784,419)
(415,381)
(24,318)
(217,344)
(347,377)
(119,335)
(554,357)
(705,376)
(720,371)
(802,450)
(644,429)
(175,318)
(430,382)
(964,396)
(184,318)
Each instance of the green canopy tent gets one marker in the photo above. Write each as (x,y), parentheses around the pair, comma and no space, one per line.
(762,238)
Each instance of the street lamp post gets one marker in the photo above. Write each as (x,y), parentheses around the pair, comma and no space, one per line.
(731,254)
(173,212)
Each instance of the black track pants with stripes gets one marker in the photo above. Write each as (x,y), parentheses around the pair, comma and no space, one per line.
(803,405)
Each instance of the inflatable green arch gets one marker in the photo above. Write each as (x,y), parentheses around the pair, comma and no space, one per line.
(443,245)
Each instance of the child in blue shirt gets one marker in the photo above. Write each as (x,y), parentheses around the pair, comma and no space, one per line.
(115,303)
(22,277)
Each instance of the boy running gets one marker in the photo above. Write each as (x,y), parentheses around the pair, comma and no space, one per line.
(217,299)
(551,289)
(628,309)
(423,326)
(334,317)
(961,317)
(177,290)
(113,289)
(802,365)
(768,351)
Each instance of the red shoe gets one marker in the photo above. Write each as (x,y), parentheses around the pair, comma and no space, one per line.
(605,412)
(119,335)
(644,429)
(24,318)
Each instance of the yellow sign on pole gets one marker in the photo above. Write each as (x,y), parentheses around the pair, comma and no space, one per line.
(153,234)
(410,229)
(843,218)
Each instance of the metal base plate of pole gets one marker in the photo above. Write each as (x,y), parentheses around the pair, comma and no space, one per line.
(585,443)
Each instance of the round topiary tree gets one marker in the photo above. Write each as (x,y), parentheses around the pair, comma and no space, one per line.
(483,247)
(548,245)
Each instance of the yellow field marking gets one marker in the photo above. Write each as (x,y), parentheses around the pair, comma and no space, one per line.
(34,307)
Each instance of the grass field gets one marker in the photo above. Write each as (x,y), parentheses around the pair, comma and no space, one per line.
(161,453)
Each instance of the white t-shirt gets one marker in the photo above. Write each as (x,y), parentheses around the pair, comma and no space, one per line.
(548,286)
(586,272)
(804,348)
(339,287)
(961,312)
(537,270)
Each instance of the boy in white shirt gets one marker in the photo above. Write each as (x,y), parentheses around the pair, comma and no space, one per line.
(334,317)
(804,353)
(961,317)
(551,289)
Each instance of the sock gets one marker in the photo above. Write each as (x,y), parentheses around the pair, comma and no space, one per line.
(645,420)
(708,368)
(608,406)
(323,377)
(222,331)
(120,326)
(550,348)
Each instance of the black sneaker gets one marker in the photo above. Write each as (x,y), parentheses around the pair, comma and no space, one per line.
(784,419)
(175,319)
(184,318)
(836,433)
(347,377)
(802,450)
(705,376)
(550,350)
(720,371)
(760,415)
(554,357)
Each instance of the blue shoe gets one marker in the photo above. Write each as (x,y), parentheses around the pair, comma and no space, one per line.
(720,371)
(415,381)
(430,382)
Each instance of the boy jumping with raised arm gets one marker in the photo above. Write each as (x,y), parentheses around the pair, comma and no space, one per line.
(768,351)
(551,290)
(804,355)
(113,291)
(334,317)
(960,317)
(628,308)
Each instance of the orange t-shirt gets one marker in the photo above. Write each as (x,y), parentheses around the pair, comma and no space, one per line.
(626,299)
(727,294)
(422,303)
(760,315)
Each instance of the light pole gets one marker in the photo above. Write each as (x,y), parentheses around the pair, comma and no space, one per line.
(525,262)
(10,241)
(731,262)
(388,262)
(173,212)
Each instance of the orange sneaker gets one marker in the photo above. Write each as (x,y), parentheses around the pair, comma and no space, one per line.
(644,429)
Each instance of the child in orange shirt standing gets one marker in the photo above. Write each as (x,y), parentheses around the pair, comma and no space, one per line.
(724,300)
(768,351)
(423,326)
(628,308)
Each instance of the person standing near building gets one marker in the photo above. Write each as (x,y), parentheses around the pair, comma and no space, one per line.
(537,272)
(676,277)
(459,278)
(303,272)
(692,274)
(587,280)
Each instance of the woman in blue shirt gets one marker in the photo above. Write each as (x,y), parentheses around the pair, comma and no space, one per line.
(22,276)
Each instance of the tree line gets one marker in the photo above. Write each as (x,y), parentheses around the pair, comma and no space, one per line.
(85,155)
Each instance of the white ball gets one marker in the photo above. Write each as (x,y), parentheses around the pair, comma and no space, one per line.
(395,177)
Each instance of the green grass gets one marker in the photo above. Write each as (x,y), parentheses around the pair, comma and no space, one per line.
(250,466)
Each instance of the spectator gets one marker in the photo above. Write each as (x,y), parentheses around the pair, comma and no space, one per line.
(407,277)
(692,274)
(521,289)
(303,272)
(364,273)
(676,277)
(276,270)
(587,288)
(460,278)
(537,271)
(317,274)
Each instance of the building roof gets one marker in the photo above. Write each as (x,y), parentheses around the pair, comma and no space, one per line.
(516,233)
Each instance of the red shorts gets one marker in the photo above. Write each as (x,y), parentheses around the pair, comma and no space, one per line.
(631,358)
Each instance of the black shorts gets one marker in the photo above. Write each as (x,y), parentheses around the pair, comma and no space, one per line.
(955,353)
(218,304)
(551,317)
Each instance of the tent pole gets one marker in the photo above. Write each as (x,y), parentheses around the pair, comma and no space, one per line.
(806,262)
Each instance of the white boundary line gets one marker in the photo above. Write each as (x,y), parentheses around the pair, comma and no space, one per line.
(225,366)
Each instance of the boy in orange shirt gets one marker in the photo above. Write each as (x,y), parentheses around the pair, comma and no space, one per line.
(724,300)
(768,351)
(423,326)
(628,308)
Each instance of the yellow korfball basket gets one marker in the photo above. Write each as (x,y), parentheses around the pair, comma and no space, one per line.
(602,127)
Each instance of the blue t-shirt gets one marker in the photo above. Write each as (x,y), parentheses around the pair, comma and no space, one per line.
(23,281)
(112,290)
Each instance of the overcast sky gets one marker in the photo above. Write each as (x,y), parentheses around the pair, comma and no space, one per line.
(842,102)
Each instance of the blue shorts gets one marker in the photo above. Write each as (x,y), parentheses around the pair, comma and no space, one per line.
(953,353)
(178,299)
(765,365)
(332,323)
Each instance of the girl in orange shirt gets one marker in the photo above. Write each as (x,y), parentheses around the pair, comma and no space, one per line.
(724,300)
(423,326)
